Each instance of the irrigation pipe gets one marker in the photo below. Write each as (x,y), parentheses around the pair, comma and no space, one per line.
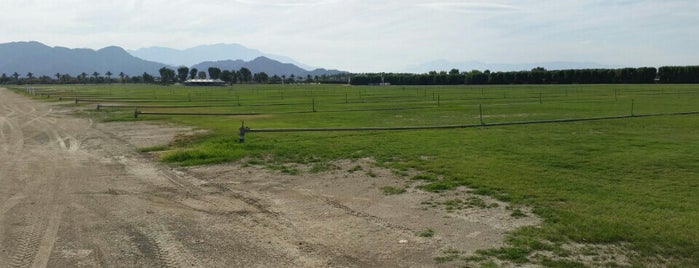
(138,112)
(243,129)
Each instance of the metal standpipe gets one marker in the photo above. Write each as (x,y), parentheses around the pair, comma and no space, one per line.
(242,130)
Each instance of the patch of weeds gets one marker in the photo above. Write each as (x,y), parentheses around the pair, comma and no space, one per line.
(255,162)
(371,173)
(561,263)
(426,233)
(284,169)
(290,170)
(392,190)
(517,213)
(400,173)
(514,254)
(355,169)
(425,177)
(439,186)
(322,166)
(449,256)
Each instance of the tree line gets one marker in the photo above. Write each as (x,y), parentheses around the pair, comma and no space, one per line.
(539,75)
(169,76)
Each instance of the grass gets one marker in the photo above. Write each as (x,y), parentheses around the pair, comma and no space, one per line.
(426,233)
(392,190)
(632,181)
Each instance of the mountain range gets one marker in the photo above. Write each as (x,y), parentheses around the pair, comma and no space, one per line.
(199,54)
(40,59)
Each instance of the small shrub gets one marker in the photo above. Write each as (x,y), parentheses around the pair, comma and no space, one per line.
(391,190)
(426,233)
(355,169)
(517,213)
(322,166)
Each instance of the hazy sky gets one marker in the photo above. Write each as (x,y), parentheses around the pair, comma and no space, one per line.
(363,36)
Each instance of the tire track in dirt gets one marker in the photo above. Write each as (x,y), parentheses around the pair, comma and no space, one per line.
(49,238)
(169,250)
(368,217)
(28,245)
(6,206)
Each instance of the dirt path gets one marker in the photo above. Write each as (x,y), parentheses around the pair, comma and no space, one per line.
(74,193)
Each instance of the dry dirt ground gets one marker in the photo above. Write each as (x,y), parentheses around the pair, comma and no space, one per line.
(76,193)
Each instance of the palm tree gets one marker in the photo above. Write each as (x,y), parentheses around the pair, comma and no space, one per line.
(122,75)
(109,76)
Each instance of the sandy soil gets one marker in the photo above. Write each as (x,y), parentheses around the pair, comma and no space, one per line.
(75,193)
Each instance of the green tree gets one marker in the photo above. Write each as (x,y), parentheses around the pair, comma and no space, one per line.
(228,76)
(245,74)
(193,73)
(147,78)
(182,73)
(261,77)
(214,73)
(167,76)
(109,76)
(122,75)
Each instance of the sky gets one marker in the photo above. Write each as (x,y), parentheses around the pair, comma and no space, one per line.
(375,36)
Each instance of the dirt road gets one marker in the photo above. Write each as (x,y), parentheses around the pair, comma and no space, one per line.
(75,193)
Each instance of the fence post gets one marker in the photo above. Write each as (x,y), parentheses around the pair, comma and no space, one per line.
(540,101)
(480,111)
(242,130)
(135,113)
(438,102)
(632,107)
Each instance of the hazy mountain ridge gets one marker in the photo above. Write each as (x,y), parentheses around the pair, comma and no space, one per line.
(40,59)
(267,65)
(204,53)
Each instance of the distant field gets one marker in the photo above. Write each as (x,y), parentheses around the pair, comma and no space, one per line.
(632,182)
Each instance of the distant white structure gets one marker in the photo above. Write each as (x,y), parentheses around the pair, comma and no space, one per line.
(204,82)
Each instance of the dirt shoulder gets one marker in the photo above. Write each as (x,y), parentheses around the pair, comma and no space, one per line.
(75,193)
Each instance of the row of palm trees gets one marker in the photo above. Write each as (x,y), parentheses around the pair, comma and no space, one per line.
(30,78)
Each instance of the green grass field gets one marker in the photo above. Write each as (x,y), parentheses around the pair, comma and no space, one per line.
(631,182)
